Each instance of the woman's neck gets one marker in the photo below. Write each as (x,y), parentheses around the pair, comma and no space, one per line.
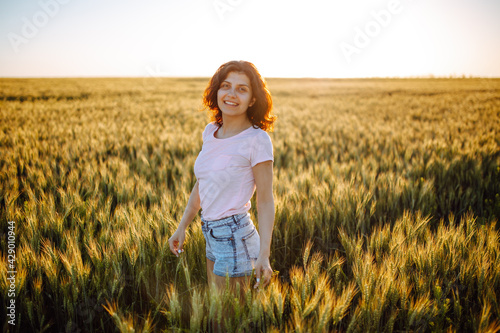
(232,126)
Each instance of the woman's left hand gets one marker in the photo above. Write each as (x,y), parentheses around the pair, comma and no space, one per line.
(263,271)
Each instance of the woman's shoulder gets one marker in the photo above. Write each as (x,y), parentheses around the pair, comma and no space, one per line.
(211,125)
(210,128)
(260,137)
(259,132)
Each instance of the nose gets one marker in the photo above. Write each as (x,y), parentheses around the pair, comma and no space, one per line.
(231,92)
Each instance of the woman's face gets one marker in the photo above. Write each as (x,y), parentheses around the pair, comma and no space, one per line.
(235,94)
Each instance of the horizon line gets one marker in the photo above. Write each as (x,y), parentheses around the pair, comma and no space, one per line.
(429,76)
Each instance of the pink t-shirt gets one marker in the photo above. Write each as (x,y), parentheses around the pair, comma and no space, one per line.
(224,170)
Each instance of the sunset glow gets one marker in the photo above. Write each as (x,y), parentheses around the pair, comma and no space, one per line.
(282,38)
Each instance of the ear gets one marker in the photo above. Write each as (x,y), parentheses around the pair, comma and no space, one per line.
(252,102)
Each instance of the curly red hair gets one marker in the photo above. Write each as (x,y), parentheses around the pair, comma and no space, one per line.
(260,113)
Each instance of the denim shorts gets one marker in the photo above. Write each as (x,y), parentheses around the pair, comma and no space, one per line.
(232,243)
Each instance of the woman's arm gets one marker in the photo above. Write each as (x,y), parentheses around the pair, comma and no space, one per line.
(263,174)
(193,206)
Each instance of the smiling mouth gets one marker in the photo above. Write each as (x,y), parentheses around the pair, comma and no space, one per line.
(230,103)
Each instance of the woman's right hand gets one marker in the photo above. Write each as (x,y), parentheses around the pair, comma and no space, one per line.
(176,242)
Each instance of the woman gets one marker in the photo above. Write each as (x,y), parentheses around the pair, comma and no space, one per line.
(235,161)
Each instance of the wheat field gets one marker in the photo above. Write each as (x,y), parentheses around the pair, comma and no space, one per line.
(387,196)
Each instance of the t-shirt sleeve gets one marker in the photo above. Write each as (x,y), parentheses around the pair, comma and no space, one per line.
(262,149)
(207,130)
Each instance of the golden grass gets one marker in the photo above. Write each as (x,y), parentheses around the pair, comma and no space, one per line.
(387,195)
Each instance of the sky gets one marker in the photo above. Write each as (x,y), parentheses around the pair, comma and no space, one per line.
(283,38)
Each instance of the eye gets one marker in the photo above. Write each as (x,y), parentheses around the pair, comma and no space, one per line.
(224,85)
(243,89)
